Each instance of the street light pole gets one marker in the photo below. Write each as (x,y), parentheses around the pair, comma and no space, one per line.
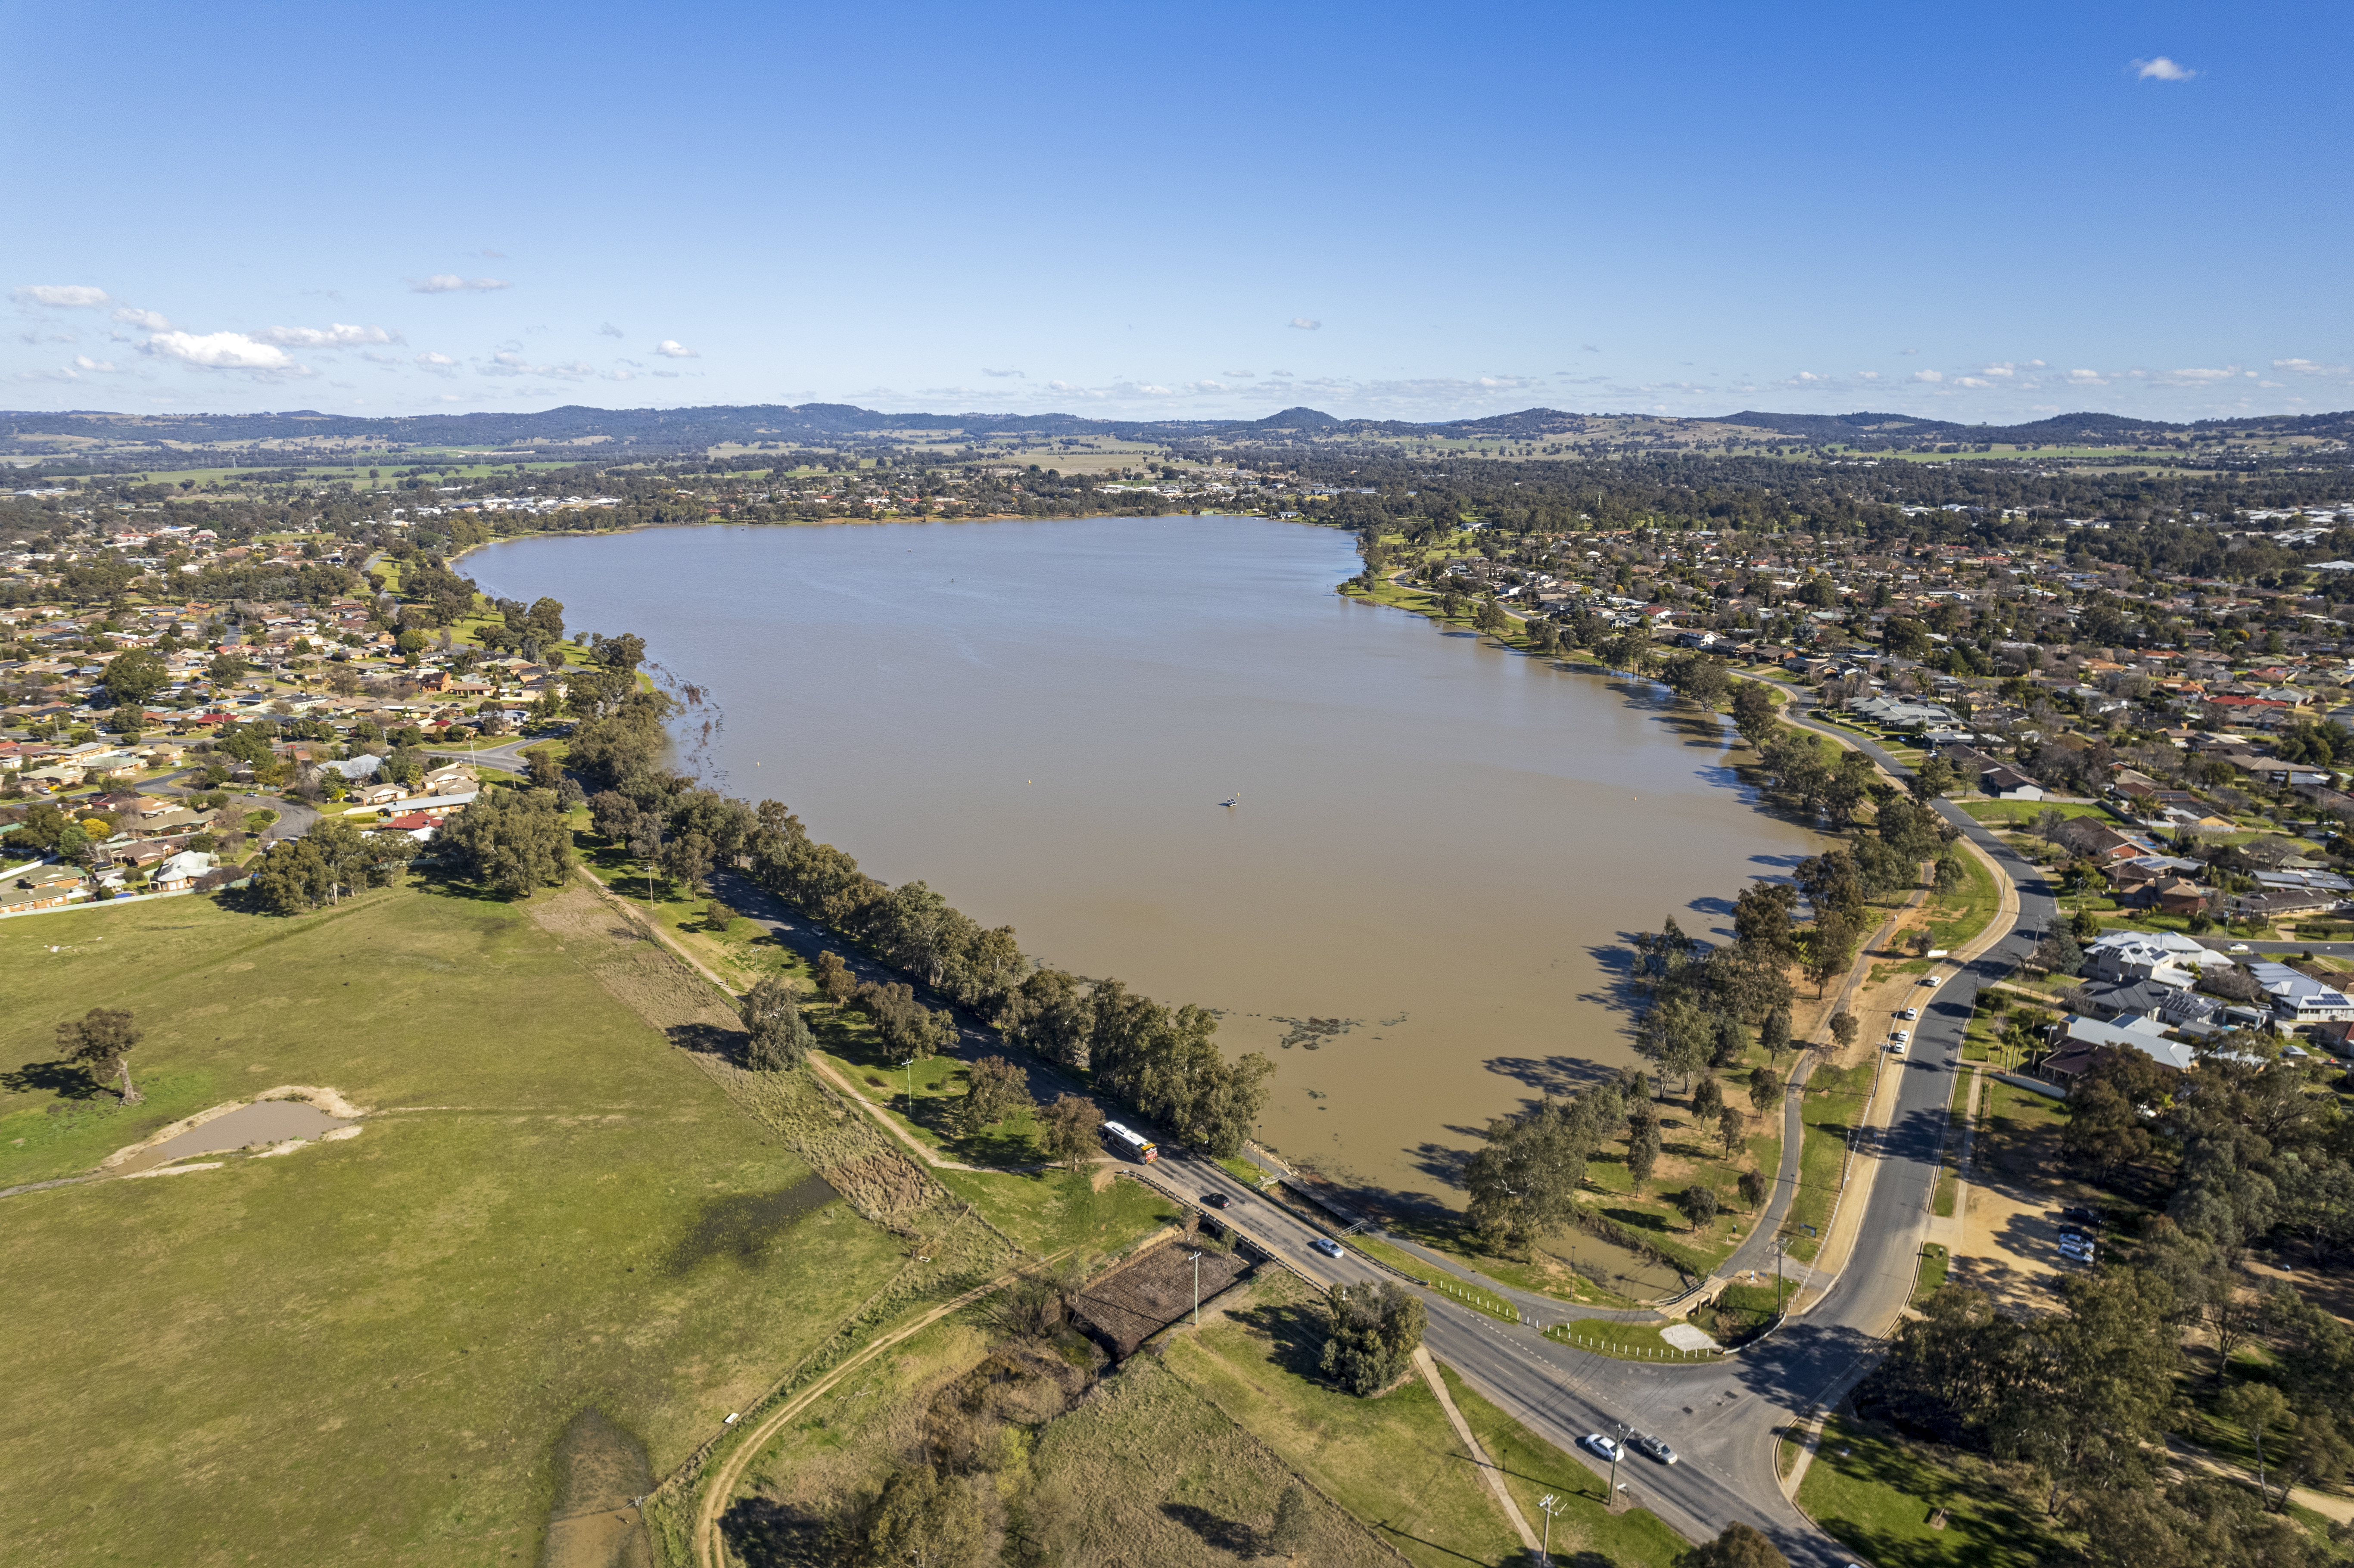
(1197,1287)
(910,1065)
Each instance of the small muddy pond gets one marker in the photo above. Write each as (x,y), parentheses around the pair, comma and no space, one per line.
(262,1122)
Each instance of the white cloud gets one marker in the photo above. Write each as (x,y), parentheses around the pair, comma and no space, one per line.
(2196,377)
(1867,376)
(1302,324)
(1804,377)
(509,363)
(2087,379)
(429,358)
(1973,381)
(451,283)
(153,321)
(67,295)
(2160,69)
(1279,372)
(1931,375)
(221,351)
(1239,375)
(987,371)
(2308,367)
(337,335)
(2005,369)
(610,330)
(671,348)
(84,362)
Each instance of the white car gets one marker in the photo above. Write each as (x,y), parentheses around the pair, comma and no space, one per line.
(1932,979)
(1901,1036)
(1910,1013)
(1605,1446)
(1896,1048)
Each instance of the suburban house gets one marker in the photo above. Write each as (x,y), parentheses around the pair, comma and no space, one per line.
(2166,958)
(180,872)
(2072,1041)
(2299,999)
(2147,999)
(2088,838)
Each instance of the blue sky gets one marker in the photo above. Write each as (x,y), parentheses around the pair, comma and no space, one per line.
(1990,212)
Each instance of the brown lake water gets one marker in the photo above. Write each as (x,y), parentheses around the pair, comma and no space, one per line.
(1437,847)
(263,1121)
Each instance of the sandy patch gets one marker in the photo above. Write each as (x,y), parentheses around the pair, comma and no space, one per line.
(1684,1337)
(174,1169)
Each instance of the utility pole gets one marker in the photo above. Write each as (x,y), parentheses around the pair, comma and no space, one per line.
(1549,1503)
(1197,1287)
(910,1065)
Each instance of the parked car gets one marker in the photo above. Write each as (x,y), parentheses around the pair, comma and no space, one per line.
(1326,1245)
(1653,1449)
(1931,980)
(2079,1212)
(2080,1251)
(1904,1034)
(1896,1048)
(1215,1200)
(1910,1013)
(1605,1446)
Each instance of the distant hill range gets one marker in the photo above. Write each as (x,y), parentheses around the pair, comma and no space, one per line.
(607,433)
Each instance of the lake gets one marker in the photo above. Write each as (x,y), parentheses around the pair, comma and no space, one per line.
(1437,843)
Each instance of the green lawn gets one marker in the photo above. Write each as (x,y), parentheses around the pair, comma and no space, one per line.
(1584,1533)
(365,1351)
(1877,1494)
(1608,1337)
(1931,1279)
(2022,813)
(1392,1461)
(1957,916)
(1832,1107)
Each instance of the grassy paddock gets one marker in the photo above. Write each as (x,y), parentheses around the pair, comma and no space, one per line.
(365,1351)
(1392,1461)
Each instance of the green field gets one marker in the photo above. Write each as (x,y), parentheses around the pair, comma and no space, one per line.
(365,1351)
(1391,1461)
(1877,1494)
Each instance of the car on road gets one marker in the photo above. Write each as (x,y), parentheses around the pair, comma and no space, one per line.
(1326,1245)
(1910,1013)
(1217,1200)
(1605,1446)
(1651,1447)
(2239,947)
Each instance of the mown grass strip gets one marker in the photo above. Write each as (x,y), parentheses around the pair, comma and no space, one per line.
(1626,1342)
